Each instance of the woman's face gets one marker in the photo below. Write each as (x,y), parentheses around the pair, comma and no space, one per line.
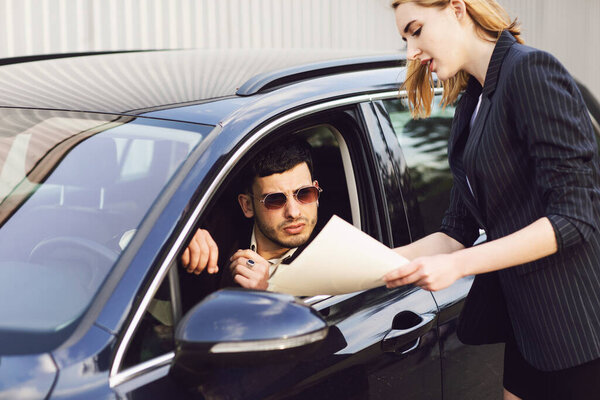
(433,36)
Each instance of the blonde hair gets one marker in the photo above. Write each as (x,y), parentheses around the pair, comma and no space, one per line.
(490,20)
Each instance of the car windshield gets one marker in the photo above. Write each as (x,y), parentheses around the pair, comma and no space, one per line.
(73,189)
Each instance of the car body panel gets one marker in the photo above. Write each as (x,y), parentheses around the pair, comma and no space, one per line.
(27,377)
(84,365)
(210,112)
(470,372)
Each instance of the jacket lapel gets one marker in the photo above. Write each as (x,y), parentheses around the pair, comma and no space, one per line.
(456,146)
(505,41)
(462,117)
(460,181)
(470,152)
(462,149)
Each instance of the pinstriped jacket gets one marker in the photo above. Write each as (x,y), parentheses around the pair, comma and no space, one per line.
(532,153)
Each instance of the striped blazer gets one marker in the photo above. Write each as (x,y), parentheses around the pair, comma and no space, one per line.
(532,153)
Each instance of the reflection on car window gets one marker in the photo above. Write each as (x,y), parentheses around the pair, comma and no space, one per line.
(424,144)
(154,333)
(73,189)
(135,156)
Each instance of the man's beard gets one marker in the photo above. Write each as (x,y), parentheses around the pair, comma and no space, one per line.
(291,242)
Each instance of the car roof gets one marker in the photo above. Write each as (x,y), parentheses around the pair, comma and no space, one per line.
(139,82)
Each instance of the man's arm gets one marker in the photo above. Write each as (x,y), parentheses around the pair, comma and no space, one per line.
(202,253)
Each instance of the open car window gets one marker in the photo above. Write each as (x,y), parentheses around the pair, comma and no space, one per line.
(339,153)
(229,228)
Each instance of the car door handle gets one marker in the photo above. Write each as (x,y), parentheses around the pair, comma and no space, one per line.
(407,327)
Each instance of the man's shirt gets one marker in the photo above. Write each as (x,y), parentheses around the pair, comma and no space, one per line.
(273,262)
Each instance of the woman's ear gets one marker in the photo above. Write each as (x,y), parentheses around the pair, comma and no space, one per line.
(459,7)
(246,204)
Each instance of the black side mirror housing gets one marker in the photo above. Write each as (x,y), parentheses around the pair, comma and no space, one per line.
(237,327)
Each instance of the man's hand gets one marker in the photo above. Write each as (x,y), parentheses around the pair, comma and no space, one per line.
(202,252)
(249,276)
(430,273)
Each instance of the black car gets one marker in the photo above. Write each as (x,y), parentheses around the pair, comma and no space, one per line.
(109,163)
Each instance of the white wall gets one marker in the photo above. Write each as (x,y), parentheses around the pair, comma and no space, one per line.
(50,26)
(570,29)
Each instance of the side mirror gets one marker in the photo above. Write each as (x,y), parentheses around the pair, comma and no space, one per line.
(242,327)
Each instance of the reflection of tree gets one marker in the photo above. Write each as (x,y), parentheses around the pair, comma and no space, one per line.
(430,175)
(433,134)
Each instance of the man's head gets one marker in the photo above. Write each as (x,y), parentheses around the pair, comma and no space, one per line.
(285,168)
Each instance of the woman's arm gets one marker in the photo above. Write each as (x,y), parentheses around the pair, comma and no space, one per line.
(531,243)
(439,271)
(436,243)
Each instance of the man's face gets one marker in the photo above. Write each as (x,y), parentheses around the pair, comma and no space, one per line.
(291,225)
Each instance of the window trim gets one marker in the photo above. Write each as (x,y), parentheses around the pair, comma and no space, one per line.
(349,172)
(118,376)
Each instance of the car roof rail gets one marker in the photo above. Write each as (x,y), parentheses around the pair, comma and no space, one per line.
(268,81)
(52,56)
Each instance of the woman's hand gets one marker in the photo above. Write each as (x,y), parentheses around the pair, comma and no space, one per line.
(430,273)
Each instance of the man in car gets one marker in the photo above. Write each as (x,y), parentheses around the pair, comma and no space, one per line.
(279,194)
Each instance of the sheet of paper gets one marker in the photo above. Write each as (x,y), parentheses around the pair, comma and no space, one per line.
(341,259)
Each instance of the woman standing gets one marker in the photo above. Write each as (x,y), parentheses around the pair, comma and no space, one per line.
(526,170)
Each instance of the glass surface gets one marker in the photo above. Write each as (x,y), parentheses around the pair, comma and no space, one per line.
(154,334)
(74,187)
(424,143)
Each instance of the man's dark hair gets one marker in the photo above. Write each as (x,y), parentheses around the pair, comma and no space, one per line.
(277,158)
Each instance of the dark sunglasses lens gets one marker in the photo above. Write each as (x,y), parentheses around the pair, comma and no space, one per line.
(308,195)
(275,200)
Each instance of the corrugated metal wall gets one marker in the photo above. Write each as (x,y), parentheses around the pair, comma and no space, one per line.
(568,29)
(48,26)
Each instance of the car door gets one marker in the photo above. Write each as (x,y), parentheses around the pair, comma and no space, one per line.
(420,153)
(381,344)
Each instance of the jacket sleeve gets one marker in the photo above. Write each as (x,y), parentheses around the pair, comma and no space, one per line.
(458,223)
(554,124)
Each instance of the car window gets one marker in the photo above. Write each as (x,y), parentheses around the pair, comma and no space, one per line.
(154,334)
(73,189)
(231,230)
(424,144)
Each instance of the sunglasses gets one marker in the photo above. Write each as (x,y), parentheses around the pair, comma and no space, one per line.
(304,195)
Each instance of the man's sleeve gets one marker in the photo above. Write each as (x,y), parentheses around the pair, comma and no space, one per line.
(553,122)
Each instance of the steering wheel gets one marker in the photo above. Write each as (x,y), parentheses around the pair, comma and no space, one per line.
(47,247)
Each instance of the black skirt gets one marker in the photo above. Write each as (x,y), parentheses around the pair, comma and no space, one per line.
(581,382)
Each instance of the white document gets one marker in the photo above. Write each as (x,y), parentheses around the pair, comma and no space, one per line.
(341,259)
